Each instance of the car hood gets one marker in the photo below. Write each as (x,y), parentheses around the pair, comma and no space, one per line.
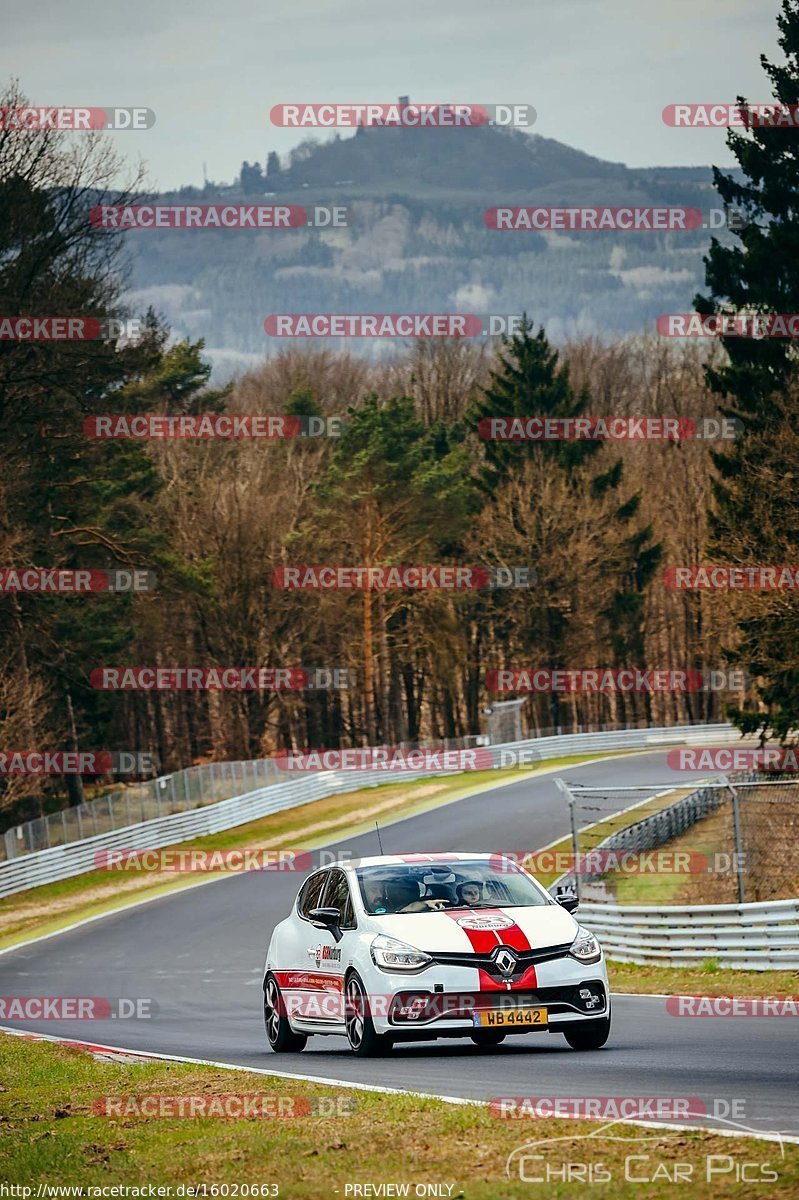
(480,930)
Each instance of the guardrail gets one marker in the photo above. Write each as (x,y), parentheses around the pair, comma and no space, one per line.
(663,826)
(208,783)
(78,856)
(750,937)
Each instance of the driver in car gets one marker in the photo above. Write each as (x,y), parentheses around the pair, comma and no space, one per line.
(403,896)
(374,894)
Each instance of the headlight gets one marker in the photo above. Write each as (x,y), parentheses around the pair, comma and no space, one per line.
(585,947)
(393,955)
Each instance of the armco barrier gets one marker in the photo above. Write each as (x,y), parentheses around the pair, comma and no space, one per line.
(750,937)
(77,857)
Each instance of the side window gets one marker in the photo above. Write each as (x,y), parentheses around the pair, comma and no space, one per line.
(311,894)
(338,896)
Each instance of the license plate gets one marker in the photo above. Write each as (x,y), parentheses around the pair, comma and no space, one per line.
(520,1018)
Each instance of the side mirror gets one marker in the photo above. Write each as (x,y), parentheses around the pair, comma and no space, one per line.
(327,918)
(568,900)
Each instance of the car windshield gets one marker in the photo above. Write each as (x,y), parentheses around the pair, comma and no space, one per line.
(459,885)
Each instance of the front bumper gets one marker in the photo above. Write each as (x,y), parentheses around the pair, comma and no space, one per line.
(441,1001)
(411,1009)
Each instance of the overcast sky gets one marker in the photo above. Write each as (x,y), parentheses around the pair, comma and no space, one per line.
(598,72)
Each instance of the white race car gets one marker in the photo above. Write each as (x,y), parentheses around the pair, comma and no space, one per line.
(415,947)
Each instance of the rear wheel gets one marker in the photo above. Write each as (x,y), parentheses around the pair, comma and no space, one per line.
(487,1037)
(361,1034)
(588,1035)
(280,1035)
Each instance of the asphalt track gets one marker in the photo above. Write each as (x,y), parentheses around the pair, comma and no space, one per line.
(199,955)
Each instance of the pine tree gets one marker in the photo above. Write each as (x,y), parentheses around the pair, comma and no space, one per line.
(756,495)
(531,382)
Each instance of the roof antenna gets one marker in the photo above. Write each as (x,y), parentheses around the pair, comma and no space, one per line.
(379,842)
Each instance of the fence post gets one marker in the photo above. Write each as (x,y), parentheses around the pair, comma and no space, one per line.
(736,826)
(565,789)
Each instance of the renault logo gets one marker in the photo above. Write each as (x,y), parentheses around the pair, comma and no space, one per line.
(506,960)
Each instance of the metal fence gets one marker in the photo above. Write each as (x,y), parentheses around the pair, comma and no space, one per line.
(179,792)
(748,851)
(750,937)
(189,803)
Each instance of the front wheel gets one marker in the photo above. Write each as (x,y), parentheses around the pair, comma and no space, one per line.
(361,1033)
(588,1035)
(280,1035)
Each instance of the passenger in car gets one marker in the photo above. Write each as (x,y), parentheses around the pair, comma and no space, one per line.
(470,893)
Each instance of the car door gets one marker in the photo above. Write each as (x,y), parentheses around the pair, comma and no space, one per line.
(311,985)
(301,984)
(326,956)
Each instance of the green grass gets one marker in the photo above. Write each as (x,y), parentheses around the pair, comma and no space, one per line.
(706,837)
(707,978)
(52,1135)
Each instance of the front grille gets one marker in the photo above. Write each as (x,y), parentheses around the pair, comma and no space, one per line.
(427,1007)
(487,962)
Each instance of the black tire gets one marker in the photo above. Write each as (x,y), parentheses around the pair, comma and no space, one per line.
(364,1040)
(487,1037)
(588,1035)
(279,1034)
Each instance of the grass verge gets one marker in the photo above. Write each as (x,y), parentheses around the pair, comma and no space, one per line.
(52,1136)
(705,979)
